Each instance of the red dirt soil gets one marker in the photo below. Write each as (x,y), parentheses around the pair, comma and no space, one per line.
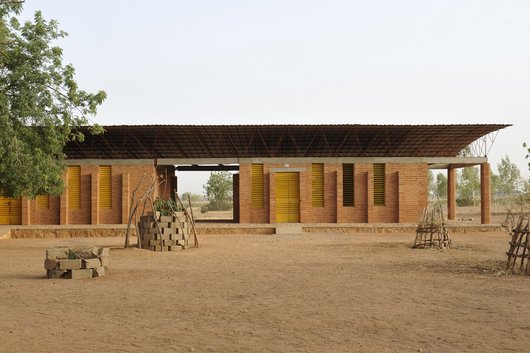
(270,293)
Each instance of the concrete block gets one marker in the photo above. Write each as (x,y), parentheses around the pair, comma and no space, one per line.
(176,237)
(70,264)
(55,273)
(155,242)
(166,219)
(81,273)
(175,248)
(50,264)
(163,236)
(91,263)
(168,242)
(168,231)
(153,230)
(104,252)
(104,260)
(98,271)
(57,253)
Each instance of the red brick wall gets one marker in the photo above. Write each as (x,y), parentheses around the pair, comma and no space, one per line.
(405,194)
(125,179)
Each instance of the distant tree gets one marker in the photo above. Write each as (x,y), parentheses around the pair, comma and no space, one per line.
(495,181)
(41,106)
(527,154)
(441,186)
(468,186)
(194,197)
(431,184)
(510,180)
(219,190)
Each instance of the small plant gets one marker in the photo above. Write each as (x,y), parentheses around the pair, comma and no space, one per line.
(165,207)
(204,208)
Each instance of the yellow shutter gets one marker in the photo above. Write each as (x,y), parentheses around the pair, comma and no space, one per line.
(379,184)
(347,185)
(317,184)
(43,201)
(105,186)
(74,186)
(257,186)
(10,211)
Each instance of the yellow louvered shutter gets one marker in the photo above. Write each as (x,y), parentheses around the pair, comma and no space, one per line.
(379,184)
(105,186)
(10,211)
(43,201)
(317,184)
(74,186)
(257,186)
(347,185)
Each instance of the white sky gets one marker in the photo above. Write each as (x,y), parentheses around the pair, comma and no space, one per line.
(304,62)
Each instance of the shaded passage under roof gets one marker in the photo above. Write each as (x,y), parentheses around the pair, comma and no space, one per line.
(253,141)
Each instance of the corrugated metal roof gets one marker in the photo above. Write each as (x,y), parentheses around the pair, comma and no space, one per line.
(253,141)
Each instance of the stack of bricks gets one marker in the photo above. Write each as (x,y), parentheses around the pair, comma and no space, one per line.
(166,234)
(63,262)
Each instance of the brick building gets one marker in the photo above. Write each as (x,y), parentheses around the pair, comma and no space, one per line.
(284,173)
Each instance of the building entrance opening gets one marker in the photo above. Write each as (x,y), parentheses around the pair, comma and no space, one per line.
(212,189)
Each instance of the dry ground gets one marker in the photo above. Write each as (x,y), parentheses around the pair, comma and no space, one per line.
(310,293)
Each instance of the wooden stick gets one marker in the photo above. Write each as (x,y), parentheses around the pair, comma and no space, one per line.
(193,223)
(132,212)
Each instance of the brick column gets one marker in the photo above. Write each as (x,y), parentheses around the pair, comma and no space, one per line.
(63,201)
(25,211)
(94,198)
(485,194)
(369,196)
(451,193)
(125,198)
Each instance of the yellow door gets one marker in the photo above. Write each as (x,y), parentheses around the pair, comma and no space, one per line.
(287,197)
(10,211)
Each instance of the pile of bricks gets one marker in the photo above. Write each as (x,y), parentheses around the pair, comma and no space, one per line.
(64,262)
(166,233)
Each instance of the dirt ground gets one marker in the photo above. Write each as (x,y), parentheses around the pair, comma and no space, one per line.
(270,293)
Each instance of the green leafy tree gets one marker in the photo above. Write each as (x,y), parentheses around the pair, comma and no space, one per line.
(495,181)
(468,186)
(432,185)
(510,179)
(441,186)
(41,106)
(527,154)
(219,191)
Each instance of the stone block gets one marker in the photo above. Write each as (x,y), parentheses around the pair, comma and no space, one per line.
(163,236)
(153,230)
(81,273)
(104,252)
(57,253)
(98,271)
(176,237)
(104,260)
(55,273)
(91,263)
(50,264)
(168,242)
(70,264)
(166,219)
(175,248)
(155,242)
(168,231)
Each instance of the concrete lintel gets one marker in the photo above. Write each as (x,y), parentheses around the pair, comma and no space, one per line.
(456,162)
(179,161)
(109,161)
(287,169)
(435,161)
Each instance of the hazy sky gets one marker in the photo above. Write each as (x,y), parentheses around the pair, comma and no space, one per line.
(304,62)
